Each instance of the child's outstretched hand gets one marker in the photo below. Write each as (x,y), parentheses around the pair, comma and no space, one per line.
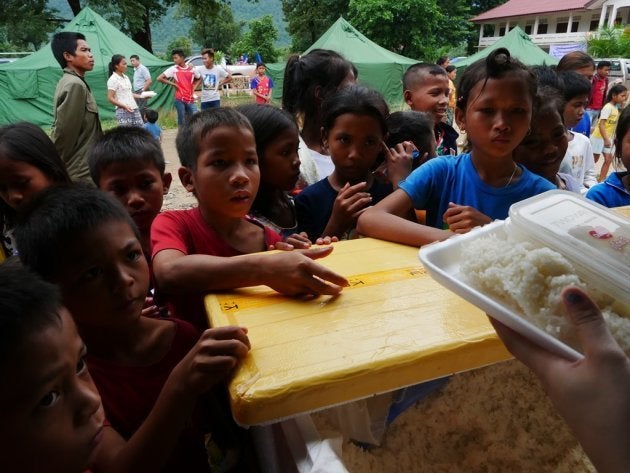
(295,273)
(300,241)
(350,202)
(463,218)
(210,361)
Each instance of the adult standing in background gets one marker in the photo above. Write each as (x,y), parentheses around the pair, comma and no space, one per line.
(599,89)
(76,123)
(120,95)
(141,81)
(213,77)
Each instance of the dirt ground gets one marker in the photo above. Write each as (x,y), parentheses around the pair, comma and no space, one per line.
(493,419)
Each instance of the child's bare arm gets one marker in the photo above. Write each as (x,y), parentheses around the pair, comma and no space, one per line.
(348,205)
(386,221)
(288,272)
(212,358)
(463,218)
(602,130)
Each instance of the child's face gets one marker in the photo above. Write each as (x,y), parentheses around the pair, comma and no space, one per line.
(620,98)
(430,94)
(139,186)
(106,278)
(208,60)
(625,150)
(497,116)
(354,143)
(574,110)
(261,70)
(178,60)
(544,148)
(227,176)
(280,168)
(82,61)
(52,417)
(20,182)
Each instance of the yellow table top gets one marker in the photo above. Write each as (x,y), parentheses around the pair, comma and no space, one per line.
(393,327)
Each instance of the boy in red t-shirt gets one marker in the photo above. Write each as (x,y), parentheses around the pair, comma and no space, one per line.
(262,84)
(185,78)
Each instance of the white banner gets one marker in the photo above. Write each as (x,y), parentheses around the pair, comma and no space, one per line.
(559,50)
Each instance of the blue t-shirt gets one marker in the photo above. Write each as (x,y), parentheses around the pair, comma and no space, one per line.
(313,206)
(611,192)
(584,126)
(454,179)
(154,129)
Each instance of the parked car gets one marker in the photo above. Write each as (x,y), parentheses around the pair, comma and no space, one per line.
(234,69)
(6,60)
(619,70)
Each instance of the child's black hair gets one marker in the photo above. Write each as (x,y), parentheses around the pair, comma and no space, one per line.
(116,59)
(415,74)
(28,305)
(200,124)
(268,122)
(122,145)
(320,69)
(547,76)
(28,143)
(358,100)
(450,68)
(574,85)
(575,60)
(548,98)
(65,42)
(58,216)
(498,64)
(178,52)
(615,90)
(413,126)
(151,115)
(623,126)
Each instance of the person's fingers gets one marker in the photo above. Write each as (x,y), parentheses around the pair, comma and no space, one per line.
(589,324)
(218,347)
(316,253)
(325,274)
(282,245)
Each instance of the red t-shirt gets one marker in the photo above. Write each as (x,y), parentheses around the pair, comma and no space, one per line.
(187,231)
(128,394)
(599,87)
(184,77)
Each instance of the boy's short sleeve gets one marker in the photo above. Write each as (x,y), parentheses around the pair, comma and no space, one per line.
(254,83)
(420,183)
(170,232)
(606,112)
(270,83)
(170,72)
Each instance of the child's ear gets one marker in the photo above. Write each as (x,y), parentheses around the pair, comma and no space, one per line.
(460,119)
(407,97)
(167,179)
(186,178)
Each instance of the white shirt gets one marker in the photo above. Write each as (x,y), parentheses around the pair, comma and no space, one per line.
(121,85)
(210,79)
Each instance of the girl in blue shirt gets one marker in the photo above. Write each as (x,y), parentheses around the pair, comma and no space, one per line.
(615,190)
(494,107)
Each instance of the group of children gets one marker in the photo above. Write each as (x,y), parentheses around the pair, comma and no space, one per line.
(131,279)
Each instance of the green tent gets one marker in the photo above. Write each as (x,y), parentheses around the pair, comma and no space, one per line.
(378,67)
(27,86)
(520,46)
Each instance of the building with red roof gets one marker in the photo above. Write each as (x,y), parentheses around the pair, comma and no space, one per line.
(551,23)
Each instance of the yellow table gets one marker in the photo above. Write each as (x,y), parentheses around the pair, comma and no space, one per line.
(393,327)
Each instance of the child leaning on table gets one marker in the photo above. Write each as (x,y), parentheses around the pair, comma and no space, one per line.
(209,248)
(150,372)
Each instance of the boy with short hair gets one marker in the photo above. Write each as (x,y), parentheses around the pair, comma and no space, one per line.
(151,125)
(599,89)
(149,371)
(128,163)
(209,248)
(76,123)
(185,78)
(426,89)
(262,84)
(213,77)
(578,160)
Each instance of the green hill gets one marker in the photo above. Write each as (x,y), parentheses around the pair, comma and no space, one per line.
(169,27)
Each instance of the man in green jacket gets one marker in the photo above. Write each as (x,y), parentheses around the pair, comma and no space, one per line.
(76,123)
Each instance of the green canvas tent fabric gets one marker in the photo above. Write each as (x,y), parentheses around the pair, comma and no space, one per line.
(378,67)
(520,46)
(27,86)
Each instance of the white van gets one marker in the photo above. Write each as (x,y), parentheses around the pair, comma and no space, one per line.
(619,70)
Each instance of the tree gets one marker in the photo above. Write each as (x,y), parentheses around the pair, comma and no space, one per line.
(413,28)
(476,8)
(259,39)
(609,42)
(26,24)
(182,42)
(215,28)
(308,19)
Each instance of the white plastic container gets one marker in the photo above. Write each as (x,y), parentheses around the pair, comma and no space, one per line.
(593,238)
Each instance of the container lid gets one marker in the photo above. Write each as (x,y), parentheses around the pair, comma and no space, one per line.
(593,237)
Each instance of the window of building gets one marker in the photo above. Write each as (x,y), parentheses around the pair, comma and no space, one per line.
(575,25)
(502,30)
(542,28)
(529,27)
(562,25)
(594,24)
(488,31)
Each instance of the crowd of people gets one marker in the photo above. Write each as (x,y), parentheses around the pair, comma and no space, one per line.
(107,359)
